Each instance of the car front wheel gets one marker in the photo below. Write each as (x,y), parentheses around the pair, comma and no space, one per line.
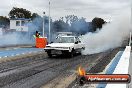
(71,54)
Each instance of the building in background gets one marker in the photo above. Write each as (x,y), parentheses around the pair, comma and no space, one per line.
(19,24)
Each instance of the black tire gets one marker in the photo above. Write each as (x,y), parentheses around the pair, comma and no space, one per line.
(49,54)
(71,54)
(83,48)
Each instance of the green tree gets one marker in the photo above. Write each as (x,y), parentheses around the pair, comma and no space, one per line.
(35,15)
(59,25)
(97,23)
(4,21)
(71,18)
(19,13)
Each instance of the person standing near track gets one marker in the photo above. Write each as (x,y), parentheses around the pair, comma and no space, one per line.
(37,35)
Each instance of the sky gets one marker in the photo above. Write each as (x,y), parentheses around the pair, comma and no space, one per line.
(106,9)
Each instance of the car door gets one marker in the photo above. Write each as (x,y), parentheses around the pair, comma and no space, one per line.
(78,44)
(75,43)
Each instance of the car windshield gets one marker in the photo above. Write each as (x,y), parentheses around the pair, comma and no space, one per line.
(65,40)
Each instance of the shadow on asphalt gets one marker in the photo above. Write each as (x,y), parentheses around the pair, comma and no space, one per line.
(63,56)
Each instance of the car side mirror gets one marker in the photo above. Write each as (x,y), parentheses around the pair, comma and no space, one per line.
(76,42)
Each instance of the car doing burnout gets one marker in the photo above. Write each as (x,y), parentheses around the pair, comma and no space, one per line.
(65,45)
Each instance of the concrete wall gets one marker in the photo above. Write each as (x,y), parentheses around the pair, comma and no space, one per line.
(122,67)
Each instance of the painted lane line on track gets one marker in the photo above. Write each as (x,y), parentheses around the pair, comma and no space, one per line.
(17,51)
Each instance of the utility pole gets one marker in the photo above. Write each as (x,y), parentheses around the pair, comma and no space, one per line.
(49,21)
(43,23)
(130,26)
(131,13)
(130,40)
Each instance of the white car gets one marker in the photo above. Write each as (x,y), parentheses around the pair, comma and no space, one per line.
(65,45)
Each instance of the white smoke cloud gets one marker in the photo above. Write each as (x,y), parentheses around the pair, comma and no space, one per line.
(111,35)
(15,38)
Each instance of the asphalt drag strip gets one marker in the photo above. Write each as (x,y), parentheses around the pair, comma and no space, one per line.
(38,70)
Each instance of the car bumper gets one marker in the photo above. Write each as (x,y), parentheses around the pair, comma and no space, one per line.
(62,49)
(57,51)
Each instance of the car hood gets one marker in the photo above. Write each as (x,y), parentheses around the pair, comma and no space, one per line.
(61,45)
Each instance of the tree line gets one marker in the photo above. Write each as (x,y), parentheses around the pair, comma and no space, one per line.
(70,23)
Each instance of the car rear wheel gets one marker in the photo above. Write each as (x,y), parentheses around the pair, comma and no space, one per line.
(71,55)
(49,54)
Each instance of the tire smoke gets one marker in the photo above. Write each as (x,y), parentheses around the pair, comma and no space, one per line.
(110,36)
